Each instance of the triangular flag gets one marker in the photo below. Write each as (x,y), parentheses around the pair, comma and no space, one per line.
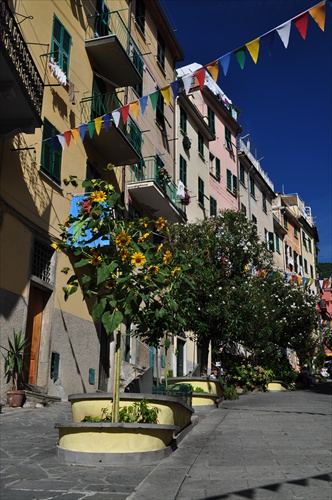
(268,41)
(321,283)
(253,49)
(116,115)
(301,22)
(143,102)
(240,55)
(55,143)
(284,32)
(75,133)
(61,139)
(318,14)
(166,93)
(200,75)
(107,121)
(98,122)
(187,81)
(312,281)
(299,280)
(134,108)
(91,128)
(213,68)
(124,113)
(304,281)
(294,278)
(82,129)
(67,136)
(176,85)
(154,99)
(224,61)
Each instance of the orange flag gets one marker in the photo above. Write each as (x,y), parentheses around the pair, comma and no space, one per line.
(166,93)
(318,14)
(134,108)
(253,49)
(75,133)
(98,121)
(213,68)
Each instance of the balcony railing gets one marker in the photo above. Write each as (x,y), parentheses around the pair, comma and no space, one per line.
(101,104)
(111,23)
(149,169)
(18,53)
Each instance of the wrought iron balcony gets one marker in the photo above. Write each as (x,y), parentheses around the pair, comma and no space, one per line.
(121,145)
(150,184)
(112,50)
(21,87)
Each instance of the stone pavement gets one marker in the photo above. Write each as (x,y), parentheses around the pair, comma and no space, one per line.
(263,446)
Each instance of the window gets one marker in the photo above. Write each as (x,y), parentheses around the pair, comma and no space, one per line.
(51,152)
(183,121)
(139,65)
(161,52)
(213,206)
(183,170)
(200,144)
(285,221)
(242,175)
(295,256)
(243,209)
(201,191)
(231,182)
(252,188)
(42,261)
(306,266)
(311,271)
(254,219)
(102,19)
(160,117)
(277,243)
(140,15)
(309,245)
(217,171)
(228,140)
(215,166)
(211,119)
(61,44)
(271,241)
(295,232)
(264,203)
(304,238)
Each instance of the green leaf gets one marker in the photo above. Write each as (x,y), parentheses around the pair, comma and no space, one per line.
(77,228)
(82,263)
(104,271)
(98,308)
(111,321)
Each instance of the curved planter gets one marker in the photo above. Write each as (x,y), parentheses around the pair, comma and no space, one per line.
(277,385)
(213,390)
(92,443)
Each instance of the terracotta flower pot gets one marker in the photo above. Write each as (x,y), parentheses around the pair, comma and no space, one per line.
(15,398)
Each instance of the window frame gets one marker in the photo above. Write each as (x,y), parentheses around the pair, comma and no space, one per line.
(160,116)
(228,140)
(211,119)
(161,51)
(264,203)
(183,170)
(213,207)
(200,140)
(201,194)
(61,55)
(242,175)
(252,187)
(183,120)
(140,15)
(49,130)
(277,241)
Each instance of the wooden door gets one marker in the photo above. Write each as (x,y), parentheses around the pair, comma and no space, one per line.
(33,332)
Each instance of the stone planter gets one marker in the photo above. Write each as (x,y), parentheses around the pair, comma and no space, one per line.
(213,390)
(15,398)
(92,443)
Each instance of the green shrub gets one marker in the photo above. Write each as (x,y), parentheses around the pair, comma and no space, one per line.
(139,411)
(198,389)
(230,392)
(249,377)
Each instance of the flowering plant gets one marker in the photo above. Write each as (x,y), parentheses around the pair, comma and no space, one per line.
(165,177)
(249,377)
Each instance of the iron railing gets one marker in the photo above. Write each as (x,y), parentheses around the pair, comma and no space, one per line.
(101,104)
(149,169)
(111,23)
(19,54)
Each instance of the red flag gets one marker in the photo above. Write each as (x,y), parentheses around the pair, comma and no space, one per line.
(200,75)
(124,113)
(301,22)
(67,136)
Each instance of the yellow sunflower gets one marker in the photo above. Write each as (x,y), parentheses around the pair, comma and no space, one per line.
(98,196)
(56,247)
(160,223)
(175,270)
(66,222)
(123,239)
(159,247)
(153,269)
(124,254)
(96,260)
(167,257)
(138,259)
(143,237)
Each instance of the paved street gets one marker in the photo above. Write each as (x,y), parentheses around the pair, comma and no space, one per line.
(263,446)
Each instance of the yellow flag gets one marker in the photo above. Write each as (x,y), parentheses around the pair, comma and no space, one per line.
(134,108)
(299,280)
(213,68)
(75,133)
(253,49)
(318,14)
(166,93)
(98,121)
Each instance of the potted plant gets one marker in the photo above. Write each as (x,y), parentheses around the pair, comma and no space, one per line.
(14,368)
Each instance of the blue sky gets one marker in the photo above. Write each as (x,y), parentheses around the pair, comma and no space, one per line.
(285,99)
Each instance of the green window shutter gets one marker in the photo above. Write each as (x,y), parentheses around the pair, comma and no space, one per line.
(61,45)
(211,120)
(277,243)
(229,180)
(50,158)
(200,144)
(218,169)
(183,170)
(200,191)
(183,121)
(271,241)
(213,206)
(234,185)
(242,175)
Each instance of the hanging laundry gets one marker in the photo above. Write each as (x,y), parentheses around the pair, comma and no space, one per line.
(71,93)
(57,72)
(180,192)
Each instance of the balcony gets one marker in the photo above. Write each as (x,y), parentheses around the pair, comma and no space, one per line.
(120,145)
(112,51)
(21,87)
(158,195)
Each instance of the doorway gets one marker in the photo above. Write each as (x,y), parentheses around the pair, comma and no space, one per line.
(180,357)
